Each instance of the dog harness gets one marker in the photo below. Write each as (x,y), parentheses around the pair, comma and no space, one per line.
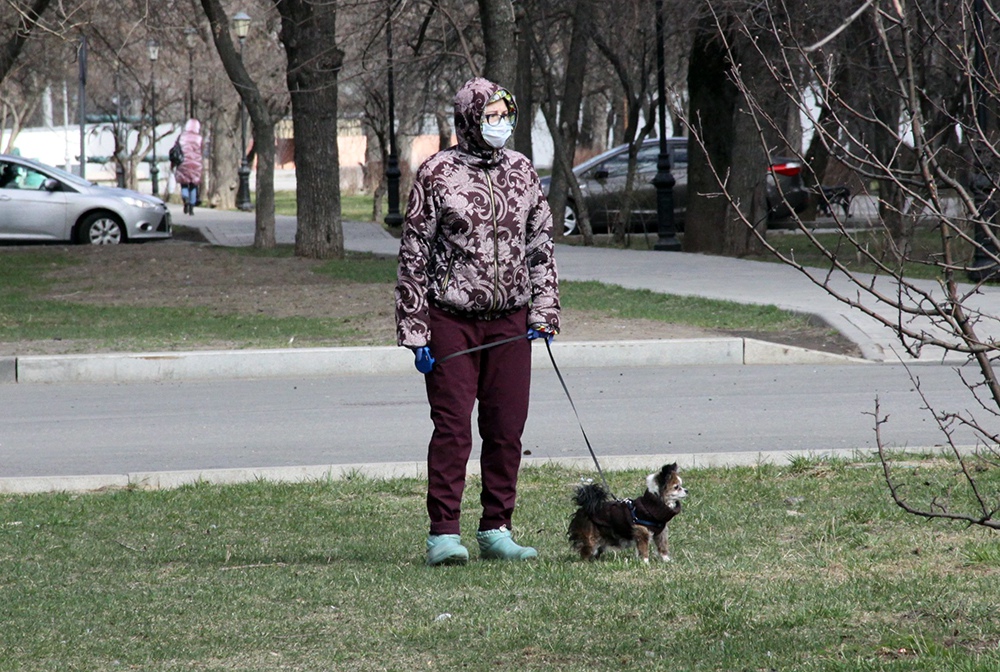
(655,526)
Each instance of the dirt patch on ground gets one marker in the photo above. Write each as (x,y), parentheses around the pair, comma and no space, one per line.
(186,272)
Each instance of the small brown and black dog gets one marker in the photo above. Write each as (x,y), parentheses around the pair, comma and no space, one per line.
(602,523)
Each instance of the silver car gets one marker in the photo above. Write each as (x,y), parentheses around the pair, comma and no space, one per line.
(39,202)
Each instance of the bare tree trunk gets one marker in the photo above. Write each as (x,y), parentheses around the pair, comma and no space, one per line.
(568,117)
(11,49)
(736,145)
(263,137)
(523,89)
(713,98)
(263,122)
(617,116)
(562,165)
(598,128)
(500,41)
(739,239)
(307,30)
(224,158)
(374,170)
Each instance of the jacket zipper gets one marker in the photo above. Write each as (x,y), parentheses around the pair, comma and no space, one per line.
(447,274)
(496,236)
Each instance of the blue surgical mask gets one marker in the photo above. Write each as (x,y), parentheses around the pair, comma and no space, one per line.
(496,136)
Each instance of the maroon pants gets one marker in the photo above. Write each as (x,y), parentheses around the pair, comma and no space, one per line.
(499,378)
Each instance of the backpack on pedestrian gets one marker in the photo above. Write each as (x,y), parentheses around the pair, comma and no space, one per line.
(176,155)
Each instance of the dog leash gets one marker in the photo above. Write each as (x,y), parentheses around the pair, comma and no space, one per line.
(482,347)
(555,367)
(548,347)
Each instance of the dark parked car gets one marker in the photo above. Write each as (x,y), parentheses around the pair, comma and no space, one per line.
(39,202)
(602,181)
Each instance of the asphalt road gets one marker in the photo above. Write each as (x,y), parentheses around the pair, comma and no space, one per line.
(78,428)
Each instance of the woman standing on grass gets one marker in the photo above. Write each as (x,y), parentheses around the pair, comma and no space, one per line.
(476,267)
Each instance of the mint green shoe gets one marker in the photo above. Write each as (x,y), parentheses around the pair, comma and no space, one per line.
(446,549)
(498,545)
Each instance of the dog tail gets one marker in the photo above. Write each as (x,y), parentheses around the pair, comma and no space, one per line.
(590,497)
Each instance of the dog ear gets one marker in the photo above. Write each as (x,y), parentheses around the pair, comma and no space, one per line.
(666,472)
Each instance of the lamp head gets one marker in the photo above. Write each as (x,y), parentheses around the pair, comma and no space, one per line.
(241,22)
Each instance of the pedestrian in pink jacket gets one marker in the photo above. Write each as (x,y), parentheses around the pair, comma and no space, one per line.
(476,268)
(188,173)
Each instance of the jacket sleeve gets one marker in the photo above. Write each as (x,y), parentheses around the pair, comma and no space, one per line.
(541,262)
(419,230)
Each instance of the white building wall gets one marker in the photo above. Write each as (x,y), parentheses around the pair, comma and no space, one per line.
(60,146)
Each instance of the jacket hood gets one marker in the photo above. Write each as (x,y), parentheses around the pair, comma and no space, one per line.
(192,126)
(470,101)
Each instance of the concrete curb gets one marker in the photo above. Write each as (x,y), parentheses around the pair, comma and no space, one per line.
(230,364)
(389,470)
(8,370)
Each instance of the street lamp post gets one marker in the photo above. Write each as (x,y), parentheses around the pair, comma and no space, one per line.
(191,41)
(241,22)
(664,180)
(392,173)
(154,53)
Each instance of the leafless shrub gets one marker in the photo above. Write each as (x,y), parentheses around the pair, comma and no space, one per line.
(899,93)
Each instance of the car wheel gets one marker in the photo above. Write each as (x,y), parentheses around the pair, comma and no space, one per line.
(100,228)
(569,220)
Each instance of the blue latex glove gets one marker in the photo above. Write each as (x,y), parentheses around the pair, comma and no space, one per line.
(423,359)
(539,330)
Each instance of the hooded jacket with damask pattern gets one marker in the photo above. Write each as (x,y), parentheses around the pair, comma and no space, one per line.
(477,238)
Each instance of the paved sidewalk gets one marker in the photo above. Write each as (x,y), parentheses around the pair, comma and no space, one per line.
(724,278)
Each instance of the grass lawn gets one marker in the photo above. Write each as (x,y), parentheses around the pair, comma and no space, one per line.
(924,251)
(354,207)
(25,316)
(803,567)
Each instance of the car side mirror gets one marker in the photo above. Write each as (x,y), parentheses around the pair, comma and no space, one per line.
(601,174)
(50,184)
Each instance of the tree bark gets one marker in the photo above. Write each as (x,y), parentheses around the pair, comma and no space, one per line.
(523,87)
(500,41)
(374,169)
(314,61)
(11,49)
(747,184)
(224,157)
(713,98)
(737,144)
